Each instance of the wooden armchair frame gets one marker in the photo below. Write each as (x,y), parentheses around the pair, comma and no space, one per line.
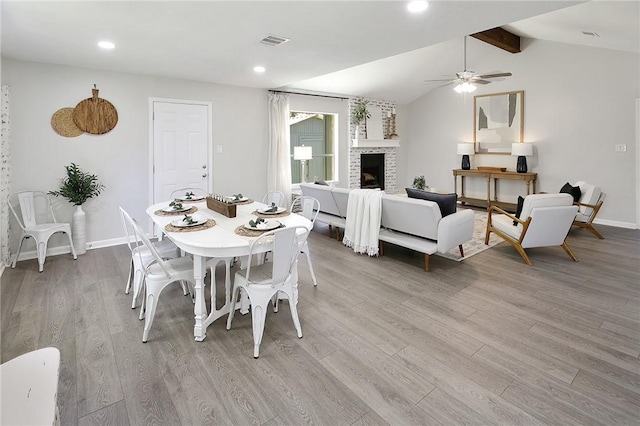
(517,244)
(589,223)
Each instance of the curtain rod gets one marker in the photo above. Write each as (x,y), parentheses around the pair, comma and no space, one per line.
(308,94)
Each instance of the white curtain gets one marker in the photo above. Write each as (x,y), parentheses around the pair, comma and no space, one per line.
(279,161)
(5,169)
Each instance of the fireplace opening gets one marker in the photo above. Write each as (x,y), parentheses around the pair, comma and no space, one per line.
(372,171)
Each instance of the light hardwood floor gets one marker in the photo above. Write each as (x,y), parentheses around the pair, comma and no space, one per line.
(486,341)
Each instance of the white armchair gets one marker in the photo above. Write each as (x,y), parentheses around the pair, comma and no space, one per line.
(544,222)
(588,207)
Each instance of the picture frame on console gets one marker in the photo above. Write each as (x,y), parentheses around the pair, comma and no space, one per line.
(498,121)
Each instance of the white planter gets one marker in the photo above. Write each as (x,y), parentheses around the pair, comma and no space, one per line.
(79,230)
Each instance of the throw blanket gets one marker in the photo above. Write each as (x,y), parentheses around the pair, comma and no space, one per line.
(363,221)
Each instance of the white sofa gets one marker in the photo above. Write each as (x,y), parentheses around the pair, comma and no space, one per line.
(333,204)
(418,225)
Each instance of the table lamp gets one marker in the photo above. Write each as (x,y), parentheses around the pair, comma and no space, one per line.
(466,149)
(303,153)
(522,151)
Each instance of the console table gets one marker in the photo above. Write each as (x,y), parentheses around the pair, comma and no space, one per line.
(529,178)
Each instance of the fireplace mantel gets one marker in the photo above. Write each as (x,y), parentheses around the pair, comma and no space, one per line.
(375,143)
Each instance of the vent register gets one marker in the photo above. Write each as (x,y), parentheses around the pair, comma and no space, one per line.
(272,40)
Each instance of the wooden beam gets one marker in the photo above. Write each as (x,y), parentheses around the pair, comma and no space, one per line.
(500,38)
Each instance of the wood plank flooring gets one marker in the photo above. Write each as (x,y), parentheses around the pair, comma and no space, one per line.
(486,341)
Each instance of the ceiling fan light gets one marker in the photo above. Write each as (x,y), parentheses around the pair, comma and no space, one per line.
(465,87)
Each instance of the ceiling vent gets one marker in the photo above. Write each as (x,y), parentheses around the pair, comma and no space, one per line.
(273,40)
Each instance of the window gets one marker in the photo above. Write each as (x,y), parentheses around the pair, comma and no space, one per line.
(317,130)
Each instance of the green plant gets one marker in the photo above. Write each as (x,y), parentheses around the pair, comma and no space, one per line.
(78,186)
(360,112)
(419,182)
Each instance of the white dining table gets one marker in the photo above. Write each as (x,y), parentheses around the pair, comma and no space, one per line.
(208,247)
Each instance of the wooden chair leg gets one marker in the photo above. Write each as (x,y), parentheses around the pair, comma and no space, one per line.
(426,262)
(523,254)
(486,237)
(461,250)
(381,248)
(594,231)
(566,248)
(330,232)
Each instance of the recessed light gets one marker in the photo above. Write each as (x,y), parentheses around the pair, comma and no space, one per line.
(106,44)
(259,69)
(417,6)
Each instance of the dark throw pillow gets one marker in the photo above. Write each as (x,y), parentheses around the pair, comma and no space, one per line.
(519,209)
(446,202)
(321,182)
(573,190)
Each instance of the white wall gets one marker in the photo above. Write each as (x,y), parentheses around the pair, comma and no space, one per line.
(579,102)
(120,157)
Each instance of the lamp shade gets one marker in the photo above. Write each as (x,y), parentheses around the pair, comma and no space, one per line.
(521,149)
(302,153)
(466,149)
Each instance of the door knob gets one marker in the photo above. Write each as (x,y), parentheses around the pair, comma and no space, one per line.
(204,175)
(204,166)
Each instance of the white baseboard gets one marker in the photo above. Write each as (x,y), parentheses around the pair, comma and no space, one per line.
(54,251)
(617,224)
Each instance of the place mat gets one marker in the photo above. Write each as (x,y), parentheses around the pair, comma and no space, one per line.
(247,201)
(267,216)
(244,232)
(163,213)
(210,223)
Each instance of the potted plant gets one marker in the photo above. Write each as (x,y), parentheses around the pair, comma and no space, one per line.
(419,183)
(77,187)
(359,114)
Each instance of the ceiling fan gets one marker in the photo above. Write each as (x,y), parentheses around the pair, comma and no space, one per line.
(466,79)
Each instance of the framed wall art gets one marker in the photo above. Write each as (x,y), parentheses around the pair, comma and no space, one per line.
(498,121)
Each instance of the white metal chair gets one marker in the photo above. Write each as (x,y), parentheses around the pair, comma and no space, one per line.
(276,197)
(309,208)
(262,282)
(159,275)
(37,221)
(182,192)
(544,222)
(29,388)
(141,258)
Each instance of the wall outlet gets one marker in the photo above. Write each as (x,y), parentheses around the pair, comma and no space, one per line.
(219,149)
(621,147)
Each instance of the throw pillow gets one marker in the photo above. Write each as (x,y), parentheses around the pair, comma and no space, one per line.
(519,209)
(321,182)
(446,202)
(573,190)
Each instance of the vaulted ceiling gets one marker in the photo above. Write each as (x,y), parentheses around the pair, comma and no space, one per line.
(337,46)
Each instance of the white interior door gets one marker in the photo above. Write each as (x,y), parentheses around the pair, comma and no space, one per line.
(180,147)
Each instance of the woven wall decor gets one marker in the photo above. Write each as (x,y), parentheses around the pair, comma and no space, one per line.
(95,115)
(62,123)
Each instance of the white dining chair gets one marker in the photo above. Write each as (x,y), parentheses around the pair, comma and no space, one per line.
(262,282)
(141,258)
(309,208)
(276,197)
(37,221)
(29,388)
(158,275)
